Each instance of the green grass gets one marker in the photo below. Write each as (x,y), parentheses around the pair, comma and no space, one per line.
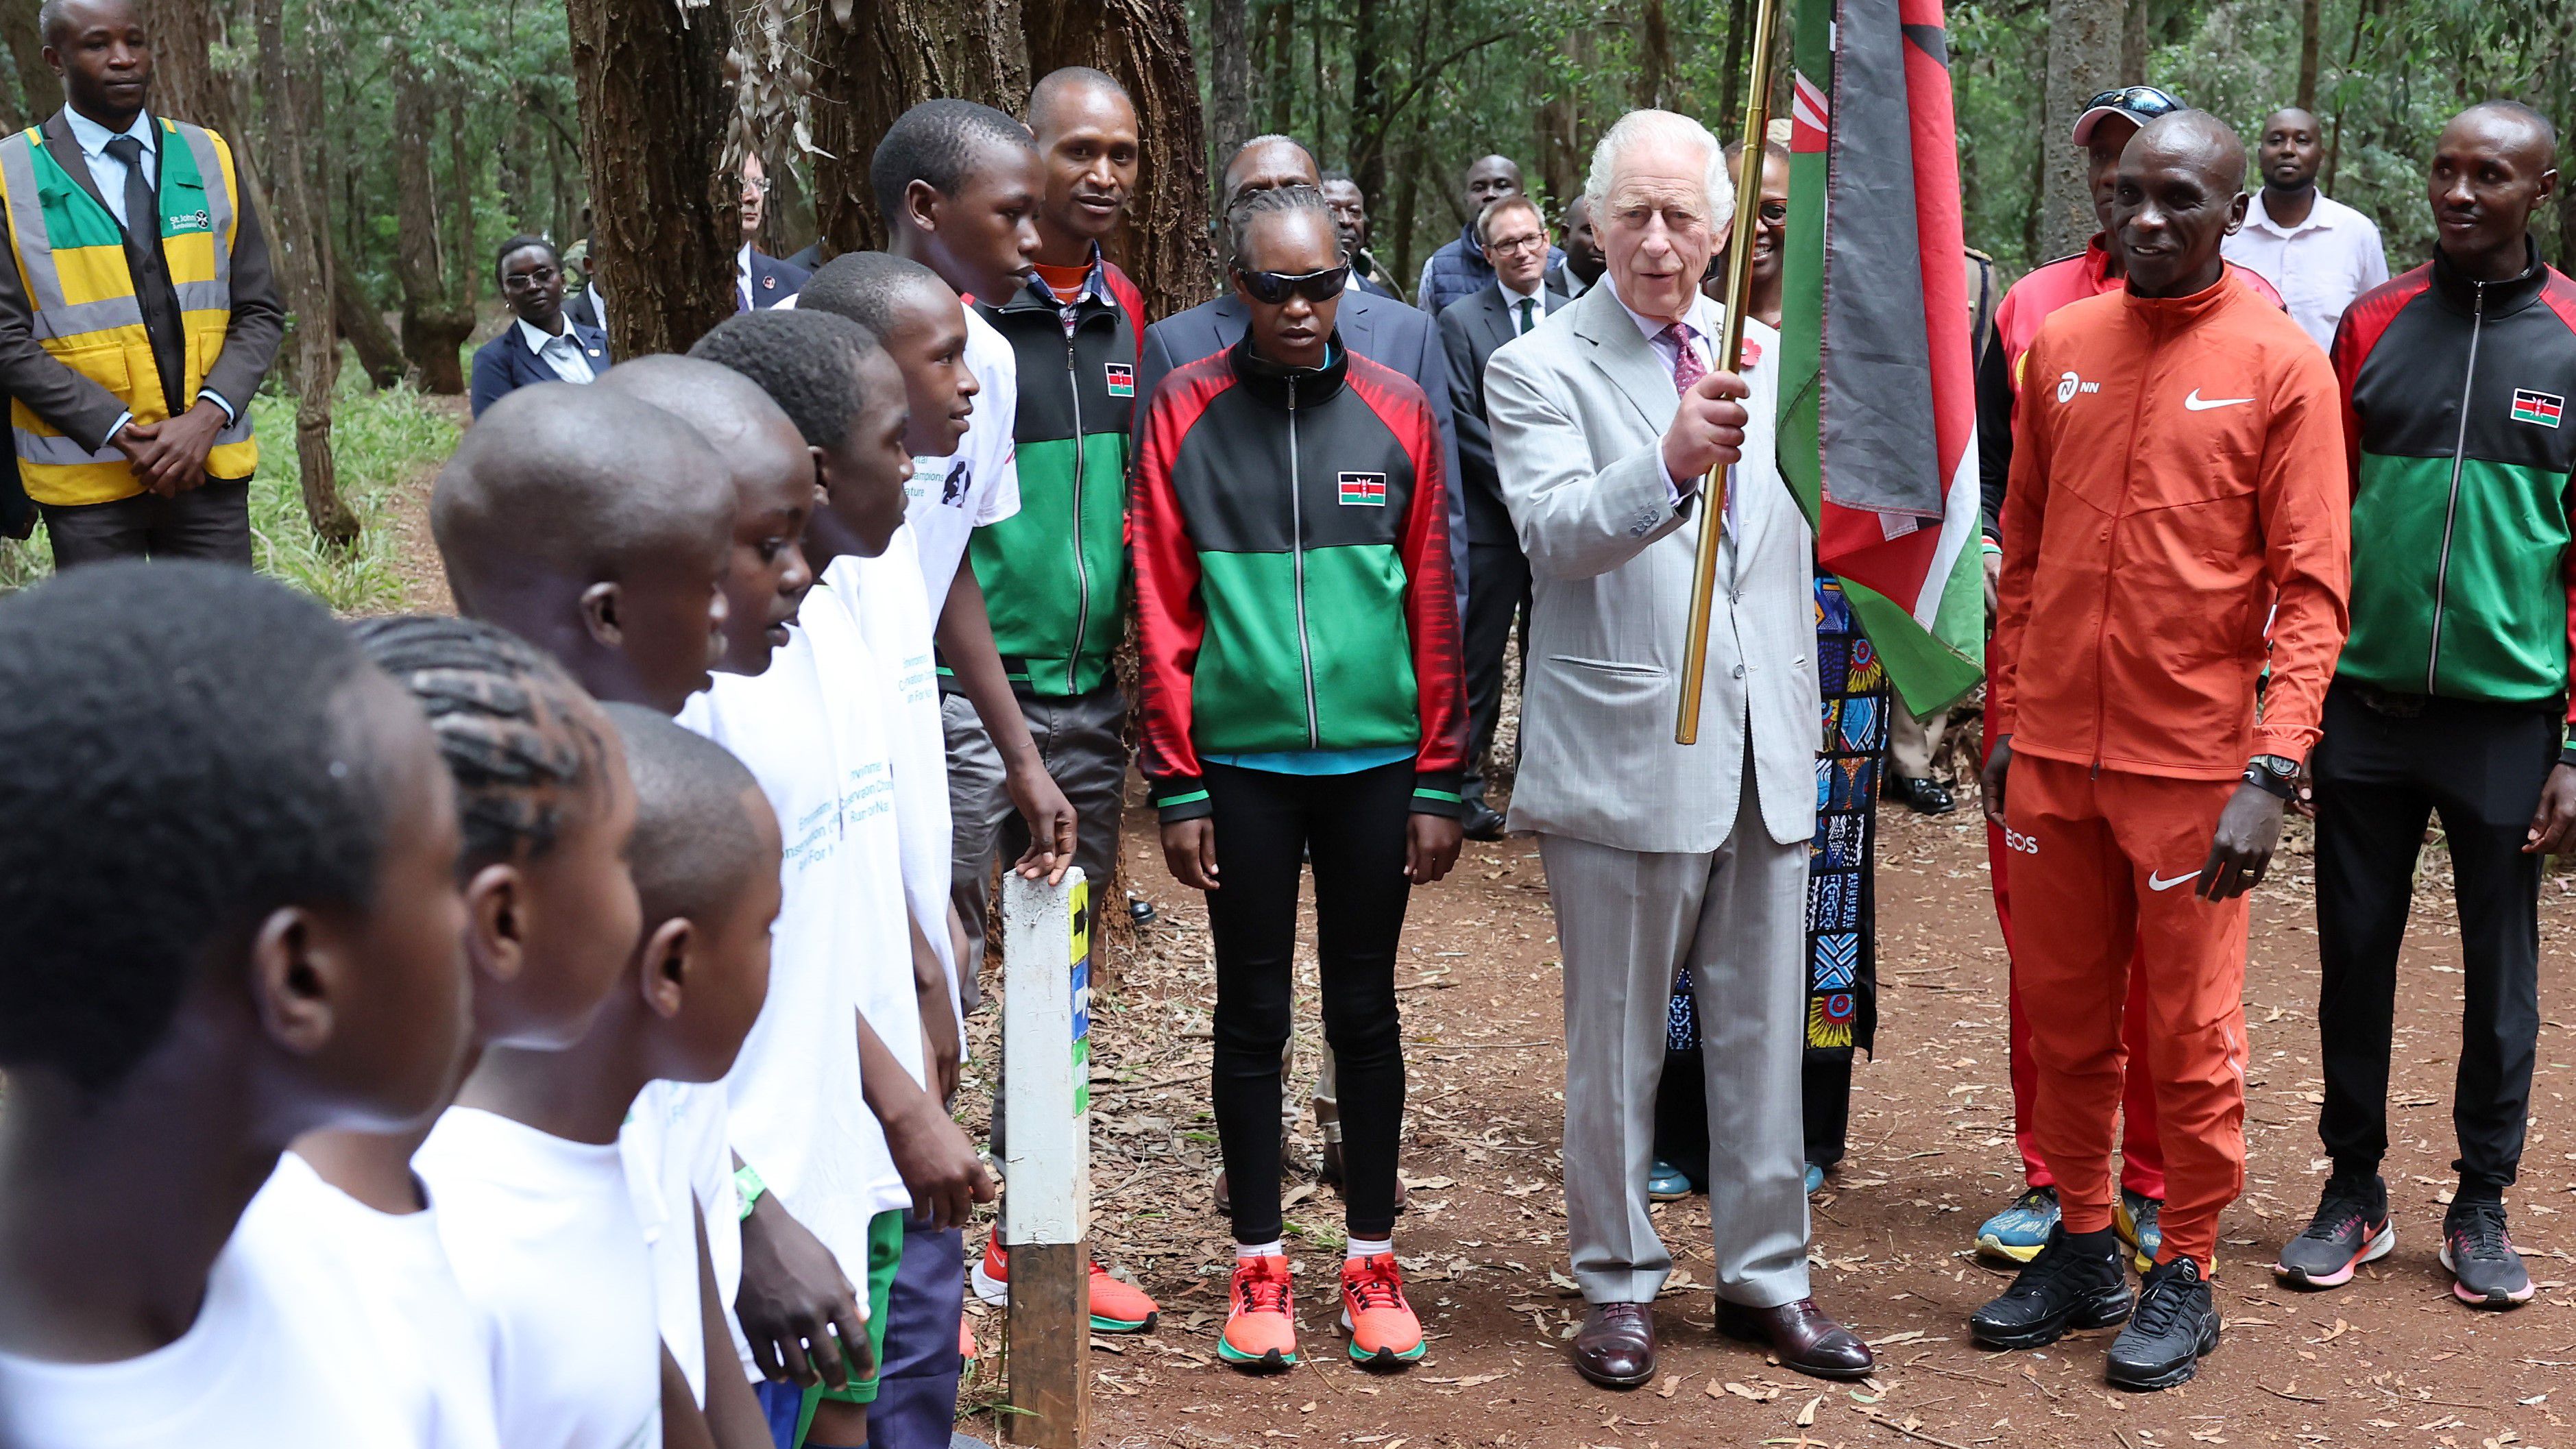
(378,437)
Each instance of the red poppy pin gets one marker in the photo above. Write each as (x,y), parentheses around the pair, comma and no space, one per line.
(769,283)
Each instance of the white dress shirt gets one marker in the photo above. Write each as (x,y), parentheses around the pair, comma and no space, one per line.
(1512,305)
(1704,320)
(2318,266)
(564,353)
(109,173)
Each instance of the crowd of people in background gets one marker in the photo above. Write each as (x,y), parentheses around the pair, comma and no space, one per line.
(545,1024)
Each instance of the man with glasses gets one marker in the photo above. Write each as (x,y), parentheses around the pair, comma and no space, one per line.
(759,280)
(1461,266)
(1514,239)
(2017,1233)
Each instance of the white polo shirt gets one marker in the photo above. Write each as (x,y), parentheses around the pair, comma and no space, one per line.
(2318,266)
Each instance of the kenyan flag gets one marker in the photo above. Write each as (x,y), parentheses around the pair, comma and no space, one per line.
(2542,408)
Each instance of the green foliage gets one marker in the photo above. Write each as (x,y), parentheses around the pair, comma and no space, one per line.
(380,438)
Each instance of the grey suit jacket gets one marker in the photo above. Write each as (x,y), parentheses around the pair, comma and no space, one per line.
(82,409)
(1578,410)
(1470,330)
(1384,331)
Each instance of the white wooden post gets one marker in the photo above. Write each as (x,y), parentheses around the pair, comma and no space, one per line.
(1046,1117)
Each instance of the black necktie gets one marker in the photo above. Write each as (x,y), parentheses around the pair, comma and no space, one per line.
(151,285)
(142,213)
(1526,304)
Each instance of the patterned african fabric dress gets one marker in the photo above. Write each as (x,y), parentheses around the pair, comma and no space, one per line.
(1842,934)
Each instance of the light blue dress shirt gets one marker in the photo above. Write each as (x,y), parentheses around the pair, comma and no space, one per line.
(109,173)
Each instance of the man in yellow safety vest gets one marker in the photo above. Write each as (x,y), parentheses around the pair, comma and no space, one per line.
(139,314)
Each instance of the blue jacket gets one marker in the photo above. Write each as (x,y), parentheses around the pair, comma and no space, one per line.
(1384,331)
(773,281)
(506,363)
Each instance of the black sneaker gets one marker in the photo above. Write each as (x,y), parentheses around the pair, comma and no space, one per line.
(2175,1325)
(2351,1228)
(2486,1271)
(2066,1286)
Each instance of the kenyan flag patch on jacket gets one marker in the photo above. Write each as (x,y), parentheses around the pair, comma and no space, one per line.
(1368,490)
(2542,408)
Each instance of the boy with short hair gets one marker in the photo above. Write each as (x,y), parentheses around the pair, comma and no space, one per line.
(815,730)
(596,527)
(269,981)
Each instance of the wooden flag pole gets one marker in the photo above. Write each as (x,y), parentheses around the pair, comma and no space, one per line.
(1046,1112)
(1730,354)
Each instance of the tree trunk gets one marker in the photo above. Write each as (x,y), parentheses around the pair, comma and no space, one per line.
(2083,60)
(36,84)
(1162,241)
(1229,119)
(1655,57)
(654,106)
(2310,21)
(876,59)
(434,325)
(464,259)
(1283,57)
(303,255)
(2137,40)
(1739,25)
(1369,116)
(380,354)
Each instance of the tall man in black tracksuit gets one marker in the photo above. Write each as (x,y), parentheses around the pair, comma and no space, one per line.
(2452,688)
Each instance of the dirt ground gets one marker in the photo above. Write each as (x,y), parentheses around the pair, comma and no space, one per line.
(2391,1359)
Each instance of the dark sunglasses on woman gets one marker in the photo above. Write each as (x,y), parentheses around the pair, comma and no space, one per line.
(1272,288)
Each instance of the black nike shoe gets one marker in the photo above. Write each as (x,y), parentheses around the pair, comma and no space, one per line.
(2486,1272)
(2351,1228)
(2071,1284)
(2175,1325)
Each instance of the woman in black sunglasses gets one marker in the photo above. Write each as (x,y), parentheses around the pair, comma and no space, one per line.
(1303,695)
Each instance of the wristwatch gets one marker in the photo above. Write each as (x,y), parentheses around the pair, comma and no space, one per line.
(748,1187)
(2274,774)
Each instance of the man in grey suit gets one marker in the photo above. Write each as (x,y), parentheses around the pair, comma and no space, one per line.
(1514,237)
(1605,421)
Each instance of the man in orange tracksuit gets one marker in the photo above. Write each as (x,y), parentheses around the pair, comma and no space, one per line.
(2178,475)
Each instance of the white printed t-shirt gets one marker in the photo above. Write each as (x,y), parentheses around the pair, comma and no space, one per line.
(949,498)
(679,1164)
(542,1234)
(286,1351)
(897,629)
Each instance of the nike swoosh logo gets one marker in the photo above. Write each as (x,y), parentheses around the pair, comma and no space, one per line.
(2157,882)
(2196,403)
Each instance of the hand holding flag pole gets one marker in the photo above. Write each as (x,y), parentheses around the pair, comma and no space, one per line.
(1730,358)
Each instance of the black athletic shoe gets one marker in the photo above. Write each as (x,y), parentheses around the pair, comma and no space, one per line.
(2067,1286)
(2487,1272)
(1923,796)
(2175,1325)
(2351,1228)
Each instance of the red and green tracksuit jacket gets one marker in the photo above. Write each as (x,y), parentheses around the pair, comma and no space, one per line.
(1291,537)
(1055,573)
(2455,397)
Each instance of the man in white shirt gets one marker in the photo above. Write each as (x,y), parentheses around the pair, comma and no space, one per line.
(2316,252)
(759,280)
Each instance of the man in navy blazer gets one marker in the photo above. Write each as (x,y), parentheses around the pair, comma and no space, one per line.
(543,345)
(760,281)
(1386,332)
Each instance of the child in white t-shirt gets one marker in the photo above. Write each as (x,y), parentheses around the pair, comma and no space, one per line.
(281,958)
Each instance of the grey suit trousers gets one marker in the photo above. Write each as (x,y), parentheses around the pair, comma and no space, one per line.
(1628,922)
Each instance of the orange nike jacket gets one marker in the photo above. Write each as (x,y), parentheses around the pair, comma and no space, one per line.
(2178,479)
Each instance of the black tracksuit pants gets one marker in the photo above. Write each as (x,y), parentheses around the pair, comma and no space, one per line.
(1354,828)
(1498,588)
(2379,778)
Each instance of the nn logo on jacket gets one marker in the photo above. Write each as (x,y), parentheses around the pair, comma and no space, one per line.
(2541,408)
(1363,490)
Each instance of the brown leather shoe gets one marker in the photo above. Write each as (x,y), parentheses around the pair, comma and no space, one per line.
(1616,1347)
(1803,1337)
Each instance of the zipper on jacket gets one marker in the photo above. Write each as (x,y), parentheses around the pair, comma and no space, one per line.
(2451,510)
(1081,565)
(2102,631)
(1297,554)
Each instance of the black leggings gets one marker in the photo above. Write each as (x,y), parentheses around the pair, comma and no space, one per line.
(1354,827)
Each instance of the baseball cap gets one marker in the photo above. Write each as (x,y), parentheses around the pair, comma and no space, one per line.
(2139,104)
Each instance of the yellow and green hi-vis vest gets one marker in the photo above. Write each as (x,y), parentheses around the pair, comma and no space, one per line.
(71,257)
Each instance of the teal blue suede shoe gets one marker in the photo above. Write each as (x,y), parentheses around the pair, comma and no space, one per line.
(1815,1179)
(2016,1234)
(1666,1183)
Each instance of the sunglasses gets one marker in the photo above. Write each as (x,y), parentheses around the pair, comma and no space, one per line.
(1273,288)
(2146,102)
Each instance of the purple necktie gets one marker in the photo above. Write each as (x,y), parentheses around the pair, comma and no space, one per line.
(1687,368)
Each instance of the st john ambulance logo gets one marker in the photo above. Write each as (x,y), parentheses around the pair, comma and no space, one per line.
(1122,380)
(1363,490)
(2541,408)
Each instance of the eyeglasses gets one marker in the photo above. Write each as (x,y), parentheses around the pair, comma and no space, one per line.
(2144,102)
(758,183)
(532,278)
(1533,242)
(1273,288)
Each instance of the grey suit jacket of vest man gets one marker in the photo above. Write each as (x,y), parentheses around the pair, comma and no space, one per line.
(1662,855)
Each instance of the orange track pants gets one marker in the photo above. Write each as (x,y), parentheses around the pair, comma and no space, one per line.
(2117,857)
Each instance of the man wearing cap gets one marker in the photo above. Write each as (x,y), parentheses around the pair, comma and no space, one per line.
(2318,252)
(2018,1232)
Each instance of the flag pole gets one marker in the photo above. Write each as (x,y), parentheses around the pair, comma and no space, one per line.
(1730,354)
